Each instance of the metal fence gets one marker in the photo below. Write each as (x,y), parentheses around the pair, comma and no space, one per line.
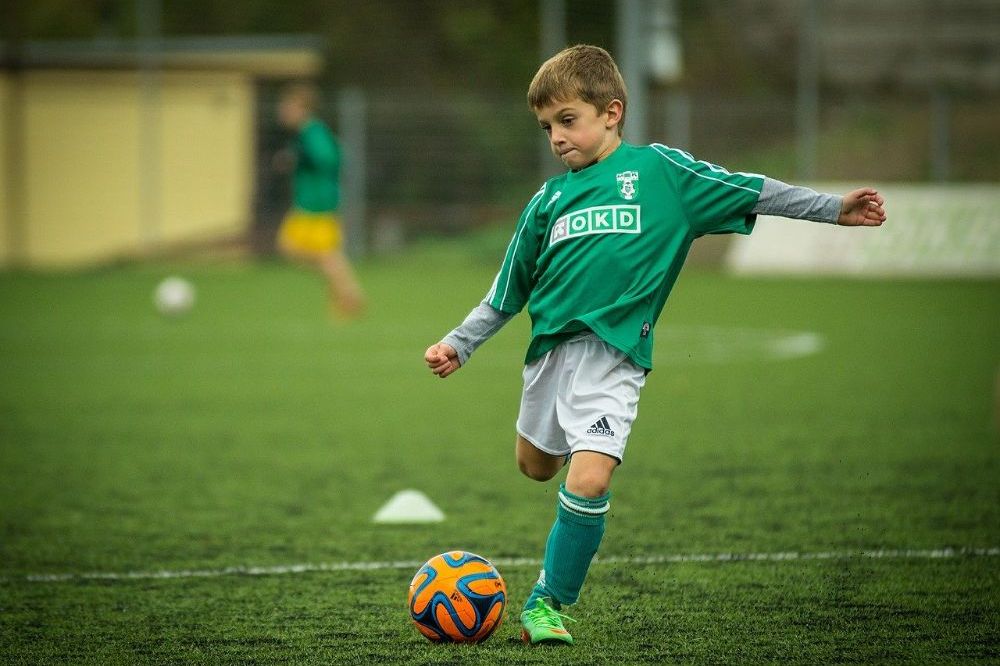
(816,93)
(440,163)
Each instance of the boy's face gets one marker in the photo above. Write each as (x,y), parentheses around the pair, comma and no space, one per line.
(579,134)
(292,113)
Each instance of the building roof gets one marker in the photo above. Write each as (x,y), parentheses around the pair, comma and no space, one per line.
(278,56)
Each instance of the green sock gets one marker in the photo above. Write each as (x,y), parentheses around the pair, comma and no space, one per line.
(572,543)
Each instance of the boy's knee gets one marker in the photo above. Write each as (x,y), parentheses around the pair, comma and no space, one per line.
(590,474)
(536,464)
(535,471)
(589,485)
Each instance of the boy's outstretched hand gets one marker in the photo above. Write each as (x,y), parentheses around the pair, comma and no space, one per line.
(442,359)
(862,208)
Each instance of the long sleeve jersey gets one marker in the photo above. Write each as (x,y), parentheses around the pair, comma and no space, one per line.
(600,249)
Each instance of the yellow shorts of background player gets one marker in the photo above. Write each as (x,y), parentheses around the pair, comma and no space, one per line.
(306,233)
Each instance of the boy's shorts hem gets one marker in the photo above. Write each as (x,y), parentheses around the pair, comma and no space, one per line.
(560,454)
(595,450)
(534,442)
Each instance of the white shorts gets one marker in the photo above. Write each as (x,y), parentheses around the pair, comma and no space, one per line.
(582,395)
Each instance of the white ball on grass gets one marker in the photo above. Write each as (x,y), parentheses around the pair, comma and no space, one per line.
(174,296)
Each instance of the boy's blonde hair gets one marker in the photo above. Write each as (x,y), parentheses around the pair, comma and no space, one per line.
(582,71)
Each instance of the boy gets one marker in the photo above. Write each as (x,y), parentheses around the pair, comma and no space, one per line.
(594,256)
(311,231)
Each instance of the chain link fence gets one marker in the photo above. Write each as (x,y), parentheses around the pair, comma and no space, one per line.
(911,97)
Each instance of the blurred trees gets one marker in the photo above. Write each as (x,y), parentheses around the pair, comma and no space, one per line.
(737,89)
(435,43)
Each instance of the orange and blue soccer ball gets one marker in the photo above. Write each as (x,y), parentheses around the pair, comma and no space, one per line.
(457,597)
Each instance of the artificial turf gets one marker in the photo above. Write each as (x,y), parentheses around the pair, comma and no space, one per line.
(256,432)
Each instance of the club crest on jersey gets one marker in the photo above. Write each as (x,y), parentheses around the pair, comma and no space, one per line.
(626,184)
(621,219)
(555,198)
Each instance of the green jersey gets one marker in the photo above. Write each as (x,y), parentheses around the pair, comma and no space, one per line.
(601,248)
(315,185)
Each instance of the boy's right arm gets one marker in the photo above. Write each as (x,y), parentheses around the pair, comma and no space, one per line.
(455,348)
(442,359)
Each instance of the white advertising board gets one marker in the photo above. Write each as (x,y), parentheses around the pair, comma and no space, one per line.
(931,230)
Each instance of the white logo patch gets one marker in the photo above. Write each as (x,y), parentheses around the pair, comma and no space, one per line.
(597,220)
(626,184)
(555,197)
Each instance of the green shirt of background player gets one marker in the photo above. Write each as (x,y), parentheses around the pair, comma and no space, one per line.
(311,231)
(315,183)
(594,257)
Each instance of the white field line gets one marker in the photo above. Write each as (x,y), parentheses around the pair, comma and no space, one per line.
(501,562)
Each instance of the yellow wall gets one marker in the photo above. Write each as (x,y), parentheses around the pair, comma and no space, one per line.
(82,157)
(208,152)
(86,199)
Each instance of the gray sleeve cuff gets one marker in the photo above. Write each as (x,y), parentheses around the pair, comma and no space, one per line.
(478,327)
(801,203)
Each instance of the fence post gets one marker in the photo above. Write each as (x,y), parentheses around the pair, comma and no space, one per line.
(552,38)
(149,15)
(807,93)
(353,130)
(15,211)
(940,134)
(633,59)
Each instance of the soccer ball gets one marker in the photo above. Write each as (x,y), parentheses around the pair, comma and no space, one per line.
(174,296)
(457,597)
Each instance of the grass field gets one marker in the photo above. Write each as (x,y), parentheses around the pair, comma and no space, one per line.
(255,433)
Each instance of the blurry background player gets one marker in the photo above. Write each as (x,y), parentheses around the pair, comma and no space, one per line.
(311,231)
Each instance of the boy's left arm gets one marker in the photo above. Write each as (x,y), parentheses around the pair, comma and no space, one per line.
(861,207)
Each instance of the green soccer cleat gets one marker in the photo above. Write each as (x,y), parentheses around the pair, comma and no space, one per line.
(543,624)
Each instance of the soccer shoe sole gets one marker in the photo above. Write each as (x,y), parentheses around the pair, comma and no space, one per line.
(551,640)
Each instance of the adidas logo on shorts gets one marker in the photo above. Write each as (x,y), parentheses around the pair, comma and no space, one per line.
(601,427)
